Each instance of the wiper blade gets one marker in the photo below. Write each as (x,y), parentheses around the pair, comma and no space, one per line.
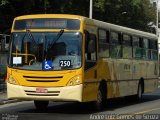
(57,38)
(31,36)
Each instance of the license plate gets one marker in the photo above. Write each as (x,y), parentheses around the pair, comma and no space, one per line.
(41,90)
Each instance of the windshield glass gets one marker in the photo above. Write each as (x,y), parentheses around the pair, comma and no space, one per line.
(45,51)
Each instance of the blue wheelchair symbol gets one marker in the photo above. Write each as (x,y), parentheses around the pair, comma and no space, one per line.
(47,65)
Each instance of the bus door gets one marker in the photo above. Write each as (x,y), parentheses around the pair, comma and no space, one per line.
(90,72)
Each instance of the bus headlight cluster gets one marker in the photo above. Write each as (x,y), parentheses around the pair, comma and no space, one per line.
(74,81)
(11,80)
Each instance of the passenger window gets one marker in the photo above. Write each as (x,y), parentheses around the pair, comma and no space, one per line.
(114,38)
(127,48)
(115,47)
(135,41)
(153,50)
(136,47)
(127,40)
(103,43)
(145,49)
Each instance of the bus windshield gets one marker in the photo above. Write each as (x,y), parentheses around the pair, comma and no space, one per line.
(45,51)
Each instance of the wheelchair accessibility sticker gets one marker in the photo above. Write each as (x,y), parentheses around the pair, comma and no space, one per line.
(47,65)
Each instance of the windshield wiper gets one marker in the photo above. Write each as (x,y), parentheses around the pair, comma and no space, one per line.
(31,36)
(57,38)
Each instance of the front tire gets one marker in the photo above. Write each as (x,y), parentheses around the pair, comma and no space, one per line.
(101,97)
(41,105)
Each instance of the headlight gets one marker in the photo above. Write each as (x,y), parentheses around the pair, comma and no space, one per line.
(11,80)
(74,81)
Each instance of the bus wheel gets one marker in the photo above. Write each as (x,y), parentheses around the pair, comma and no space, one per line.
(139,92)
(101,97)
(41,105)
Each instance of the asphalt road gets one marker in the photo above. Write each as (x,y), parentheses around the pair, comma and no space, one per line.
(120,108)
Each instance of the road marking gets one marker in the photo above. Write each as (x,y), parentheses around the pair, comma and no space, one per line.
(120,117)
(147,111)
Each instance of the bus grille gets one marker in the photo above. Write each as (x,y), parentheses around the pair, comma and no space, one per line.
(42,78)
(49,93)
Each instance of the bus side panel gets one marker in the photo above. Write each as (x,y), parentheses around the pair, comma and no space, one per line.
(124,73)
(90,85)
(151,82)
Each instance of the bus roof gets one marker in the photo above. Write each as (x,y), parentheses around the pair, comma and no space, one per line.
(99,24)
(113,27)
(49,16)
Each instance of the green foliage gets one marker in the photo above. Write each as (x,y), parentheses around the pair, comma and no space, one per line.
(136,14)
(3,2)
(99,4)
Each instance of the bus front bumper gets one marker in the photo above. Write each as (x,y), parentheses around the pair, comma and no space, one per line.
(67,93)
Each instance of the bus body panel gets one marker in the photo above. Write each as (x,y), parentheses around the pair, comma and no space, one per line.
(68,93)
(43,78)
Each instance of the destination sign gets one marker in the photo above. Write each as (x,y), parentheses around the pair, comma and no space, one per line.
(47,23)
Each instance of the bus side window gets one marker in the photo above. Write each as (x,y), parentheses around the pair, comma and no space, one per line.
(115,45)
(136,47)
(145,51)
(103,43)
(90,50)
(153,50)
(127,46)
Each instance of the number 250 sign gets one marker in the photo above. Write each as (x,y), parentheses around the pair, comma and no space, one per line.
(65,63)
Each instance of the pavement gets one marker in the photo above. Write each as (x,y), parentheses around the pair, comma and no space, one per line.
(5,100)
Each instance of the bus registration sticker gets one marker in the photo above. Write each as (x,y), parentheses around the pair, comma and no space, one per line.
(41,90)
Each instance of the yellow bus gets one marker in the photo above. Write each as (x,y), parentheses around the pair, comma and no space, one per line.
(58,57)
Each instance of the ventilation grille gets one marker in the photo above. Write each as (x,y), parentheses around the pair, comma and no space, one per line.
(49,93)
(43,78)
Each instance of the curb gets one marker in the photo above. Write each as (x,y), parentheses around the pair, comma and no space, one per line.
(9,101)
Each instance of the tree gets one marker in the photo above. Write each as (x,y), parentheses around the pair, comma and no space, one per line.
(136,14)
(3,2)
